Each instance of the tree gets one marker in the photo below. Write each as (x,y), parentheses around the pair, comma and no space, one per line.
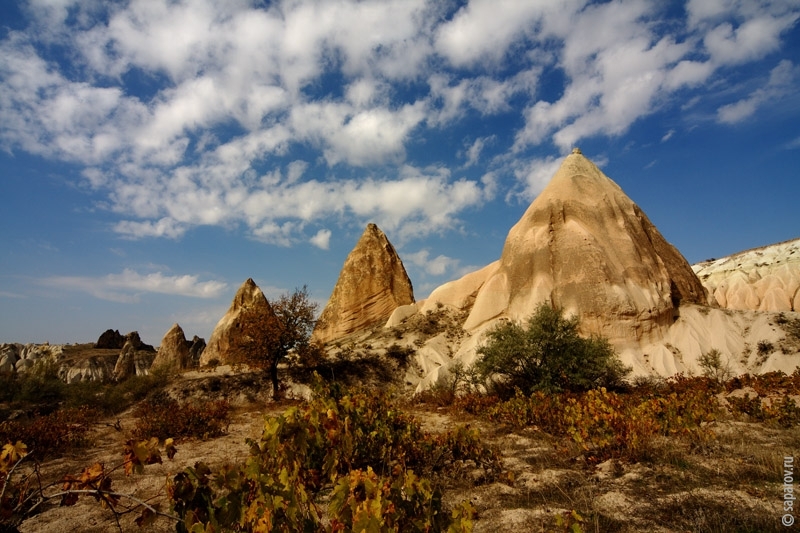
(713,367)
(266,342)
(547,354)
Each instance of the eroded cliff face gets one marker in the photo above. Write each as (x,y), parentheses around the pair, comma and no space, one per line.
(372,283)
(762,279)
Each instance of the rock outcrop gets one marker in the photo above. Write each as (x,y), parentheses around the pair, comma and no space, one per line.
(585,247)
(173,353)
(762,279)
(196,347)
(135,358)
(372,283)
(228,334)
(91,369)
(110,339)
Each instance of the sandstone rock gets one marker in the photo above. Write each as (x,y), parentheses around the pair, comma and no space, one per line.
(91,369)
(585,247)
(227,333)
(763,279)
(142,362)
(125,367)
(9,354)
(371,285)
(110,339)
(134,359)
(196,347)
(174,351)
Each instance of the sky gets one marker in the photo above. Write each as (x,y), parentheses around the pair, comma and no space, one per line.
(154,154)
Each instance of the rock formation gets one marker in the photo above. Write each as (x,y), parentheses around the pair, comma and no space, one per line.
(173,352)
(227,334)
(134,359)
(91,369)
(371,284)
(762,279)
(585,247)
(110,339)
(196,347)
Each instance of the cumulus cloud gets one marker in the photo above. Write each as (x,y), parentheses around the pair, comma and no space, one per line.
(298,112)
(435,266)
(128,286)
(322,239)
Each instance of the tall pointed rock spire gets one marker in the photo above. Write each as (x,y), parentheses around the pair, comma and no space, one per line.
(227,334)
(372,283)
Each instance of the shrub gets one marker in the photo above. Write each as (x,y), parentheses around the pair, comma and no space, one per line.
(713,367)
(163,417)
(606,424)
(400,354)
(547,354)
(53,434)
(764,348)
(371,458)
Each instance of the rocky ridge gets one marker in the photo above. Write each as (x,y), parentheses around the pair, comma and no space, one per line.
(761,279)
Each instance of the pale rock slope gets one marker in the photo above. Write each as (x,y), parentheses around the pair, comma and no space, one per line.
(227,334)
(372,283)
(585,247)
(763,279)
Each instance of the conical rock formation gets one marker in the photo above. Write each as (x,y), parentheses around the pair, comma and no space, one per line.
(227,334)
(174,350)
(585,247)
(372,283)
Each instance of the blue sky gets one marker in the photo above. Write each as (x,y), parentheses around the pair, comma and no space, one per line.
(154,154)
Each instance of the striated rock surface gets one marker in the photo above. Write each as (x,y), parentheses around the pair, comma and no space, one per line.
(91,369)
(173,352)
(227,333)
(762,279)
(371,285)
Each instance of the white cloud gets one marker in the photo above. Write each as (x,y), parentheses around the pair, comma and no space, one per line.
(129,285)
(483,30)
(781,82)
(436,266)
(473,153)
(223,113)
(532,176)
(667,136)
(322,239)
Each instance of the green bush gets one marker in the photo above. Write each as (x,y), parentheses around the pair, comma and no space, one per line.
(547,354)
